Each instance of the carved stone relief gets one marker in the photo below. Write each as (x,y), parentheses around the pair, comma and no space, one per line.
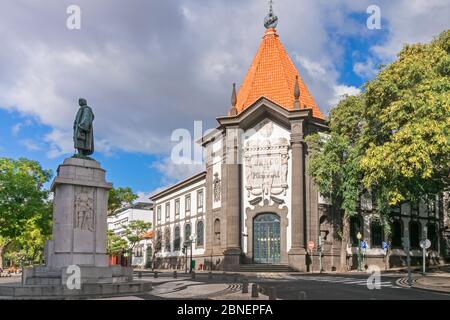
(84,209)
(266,165)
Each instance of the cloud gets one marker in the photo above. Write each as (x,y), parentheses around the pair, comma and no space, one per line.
(365,70)
(143,196)
(343,90)
(149,67)
(173,172)
(30,145)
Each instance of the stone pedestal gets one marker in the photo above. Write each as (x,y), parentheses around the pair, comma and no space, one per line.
(79,215)
(78,247)
(297,259)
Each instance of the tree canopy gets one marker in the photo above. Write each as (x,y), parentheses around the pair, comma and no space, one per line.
(119,197)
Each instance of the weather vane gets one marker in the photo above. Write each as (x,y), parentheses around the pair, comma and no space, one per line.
(271,20)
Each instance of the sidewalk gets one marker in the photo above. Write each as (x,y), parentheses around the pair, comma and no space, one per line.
(439,282)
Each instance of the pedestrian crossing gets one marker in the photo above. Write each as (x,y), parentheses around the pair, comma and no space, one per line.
(329,279)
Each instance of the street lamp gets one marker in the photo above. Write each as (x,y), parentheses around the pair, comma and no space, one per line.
(359,237)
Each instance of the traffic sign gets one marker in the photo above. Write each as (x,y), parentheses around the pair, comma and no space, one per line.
(426,243)
(385,245)
(311,245)
(363,244)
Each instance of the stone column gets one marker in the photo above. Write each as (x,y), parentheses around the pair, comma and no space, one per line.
(232,203)
(297,252)
(209,202)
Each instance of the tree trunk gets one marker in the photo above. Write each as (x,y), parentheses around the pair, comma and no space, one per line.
(344,242)
(2,249)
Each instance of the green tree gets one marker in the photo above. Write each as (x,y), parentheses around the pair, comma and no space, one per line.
(334,163)
(119,197)
(22,197)
(116,244)
(407,111)
(134,233)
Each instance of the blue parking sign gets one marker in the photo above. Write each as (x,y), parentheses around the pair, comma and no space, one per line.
(363,244)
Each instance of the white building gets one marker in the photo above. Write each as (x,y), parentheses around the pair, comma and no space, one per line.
(117,222)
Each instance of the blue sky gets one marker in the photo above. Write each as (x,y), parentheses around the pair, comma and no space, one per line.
(150,67)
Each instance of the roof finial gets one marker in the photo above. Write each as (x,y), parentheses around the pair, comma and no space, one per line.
(296,94)
(271,20)
(233,110)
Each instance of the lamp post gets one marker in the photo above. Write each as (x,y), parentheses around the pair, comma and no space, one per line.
(359,237)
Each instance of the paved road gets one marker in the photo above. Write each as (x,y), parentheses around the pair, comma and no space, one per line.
(343,287)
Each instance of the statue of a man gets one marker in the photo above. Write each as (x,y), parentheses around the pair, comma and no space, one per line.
(83,131)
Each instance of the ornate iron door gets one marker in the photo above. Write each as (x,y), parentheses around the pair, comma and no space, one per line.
(266,238)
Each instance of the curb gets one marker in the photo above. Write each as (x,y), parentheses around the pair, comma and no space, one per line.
(403,282)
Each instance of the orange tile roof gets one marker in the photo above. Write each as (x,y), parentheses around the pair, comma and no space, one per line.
(272,75)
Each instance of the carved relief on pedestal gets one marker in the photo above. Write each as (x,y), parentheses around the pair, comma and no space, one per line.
(84,209)
(266,165)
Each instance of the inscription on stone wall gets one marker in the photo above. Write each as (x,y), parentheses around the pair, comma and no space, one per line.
(84,209)
(266,165)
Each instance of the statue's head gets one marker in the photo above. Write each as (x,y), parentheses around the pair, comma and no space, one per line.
(82,102)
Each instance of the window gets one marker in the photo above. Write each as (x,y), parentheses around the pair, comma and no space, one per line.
(414,234)
(158,244)
(432,236)
(200,200)
(187,232)
(376,234)
(158,213)
(138,251)
(167,240)
(397,234)
(355,227)
(177,240)
(188,203)
(200,234)
(177,207)
(168,210)
(217,232)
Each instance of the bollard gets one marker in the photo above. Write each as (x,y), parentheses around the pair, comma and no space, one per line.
(193,275)
(210,275)
(140,274)
(245,286)
(175,274)
(302,295)
(155,274)
(255,290)
(272,293)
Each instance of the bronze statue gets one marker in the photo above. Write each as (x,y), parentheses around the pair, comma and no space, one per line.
(83,131)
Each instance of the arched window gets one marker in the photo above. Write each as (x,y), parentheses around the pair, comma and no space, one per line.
(158,244)
(432,235)
(200,233)
(355,227)
(376,234)
(397,234)
(177,240)
(167,239)
(414,234)
(217,231)
(187,232)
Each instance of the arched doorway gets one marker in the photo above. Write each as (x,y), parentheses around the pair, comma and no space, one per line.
(266,238)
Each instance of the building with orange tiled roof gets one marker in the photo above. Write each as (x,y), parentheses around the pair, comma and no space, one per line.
(273,75)
(255,208)
(255,204)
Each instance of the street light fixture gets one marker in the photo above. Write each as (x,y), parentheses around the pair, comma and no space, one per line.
(359,237)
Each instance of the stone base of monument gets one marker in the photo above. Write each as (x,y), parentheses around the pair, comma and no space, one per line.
(77,252)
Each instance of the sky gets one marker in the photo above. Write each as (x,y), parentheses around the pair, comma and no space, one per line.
(149,67)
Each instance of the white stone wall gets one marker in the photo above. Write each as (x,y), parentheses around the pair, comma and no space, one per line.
(257,135)
(193,216)
(217,168)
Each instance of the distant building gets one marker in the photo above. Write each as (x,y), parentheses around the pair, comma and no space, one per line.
(142,255)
